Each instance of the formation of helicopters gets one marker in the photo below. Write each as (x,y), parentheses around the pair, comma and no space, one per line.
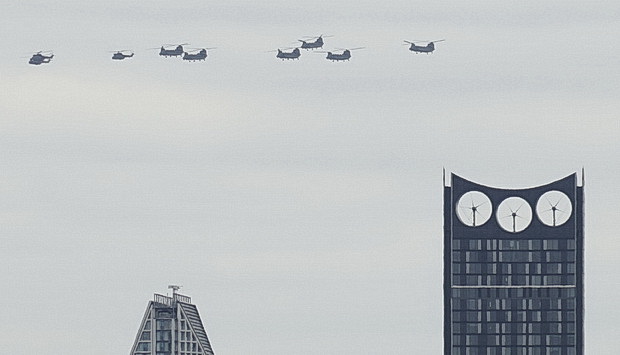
(190,55)
(291,53)
(314,43)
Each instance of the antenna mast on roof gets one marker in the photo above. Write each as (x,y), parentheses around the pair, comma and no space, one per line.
(174,289)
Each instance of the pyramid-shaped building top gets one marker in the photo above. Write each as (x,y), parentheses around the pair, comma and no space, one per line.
(171,326)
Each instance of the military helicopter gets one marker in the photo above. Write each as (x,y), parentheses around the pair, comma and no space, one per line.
(176,52)
(345,55)
(294,54)
(120,55)
(429,48)
(317,43)
(40,58)
(200,55)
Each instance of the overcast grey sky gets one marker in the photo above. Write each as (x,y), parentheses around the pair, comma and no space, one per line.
(298,202)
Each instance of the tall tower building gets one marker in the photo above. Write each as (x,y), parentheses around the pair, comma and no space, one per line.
(513,269)
(171,326)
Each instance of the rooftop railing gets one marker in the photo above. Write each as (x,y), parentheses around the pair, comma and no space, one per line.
(169,301)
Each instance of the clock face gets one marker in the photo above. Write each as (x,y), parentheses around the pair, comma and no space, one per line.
(474,208)
(554,208)
(514,214)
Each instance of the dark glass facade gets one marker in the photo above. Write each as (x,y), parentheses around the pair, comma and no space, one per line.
(513,269)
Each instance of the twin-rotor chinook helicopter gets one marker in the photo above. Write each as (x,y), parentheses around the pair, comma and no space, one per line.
(294,54)
(344,56)
(428,48)
(316,43)
(176,52)
(200,54)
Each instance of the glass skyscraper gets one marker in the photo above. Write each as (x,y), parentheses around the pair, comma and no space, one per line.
(513,269)
(171,326)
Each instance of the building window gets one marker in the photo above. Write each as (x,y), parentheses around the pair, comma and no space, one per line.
(145,336)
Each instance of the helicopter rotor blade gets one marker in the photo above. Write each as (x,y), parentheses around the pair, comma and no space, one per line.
(174,45)
(349,49)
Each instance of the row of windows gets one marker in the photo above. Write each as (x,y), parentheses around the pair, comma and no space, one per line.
(513,268)
(513,280)
(187,336)
(519,340)
(190,347)
(514,304)
(513,292)
(513,316)
(513,256)
(521,244)
(514,350)
(165,346)
(514,328)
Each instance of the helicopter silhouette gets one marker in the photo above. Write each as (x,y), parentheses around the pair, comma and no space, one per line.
(177,52)
(120,55)
(428,48)
(294,54)
(200,55)
(317,43)
(345,55)
(39,58)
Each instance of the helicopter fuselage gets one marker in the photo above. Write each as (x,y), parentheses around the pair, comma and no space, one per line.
(38,59)
(346,55)
(177,52)
(202,55)
(318,43)
(121,56)
(294,54)
(429,48)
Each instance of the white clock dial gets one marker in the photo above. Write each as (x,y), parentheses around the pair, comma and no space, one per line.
(514,214)
(554,208)
(474,208)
